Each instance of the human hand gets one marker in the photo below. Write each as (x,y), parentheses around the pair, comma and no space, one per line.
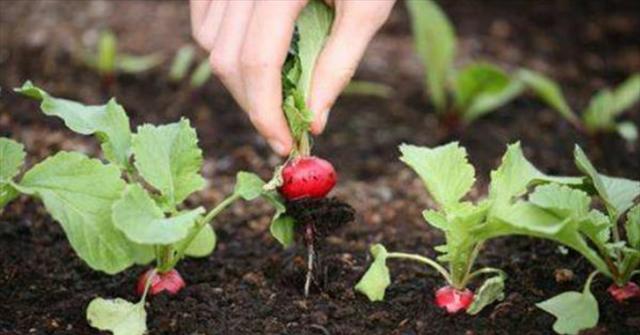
(248,43)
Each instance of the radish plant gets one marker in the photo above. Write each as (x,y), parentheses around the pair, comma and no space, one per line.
(466,225)
(565,213)
(459,96)
(448,177)
(108,62)
(603,109)
(299,187)
(128,210)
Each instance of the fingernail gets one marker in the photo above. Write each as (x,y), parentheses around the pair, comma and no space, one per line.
(277,146)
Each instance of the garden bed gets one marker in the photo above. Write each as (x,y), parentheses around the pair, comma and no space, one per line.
(249,285)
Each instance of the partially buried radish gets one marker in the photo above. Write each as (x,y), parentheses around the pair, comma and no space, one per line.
(307,177)
(306,180)
(453,300)
(622,293)
(170,281)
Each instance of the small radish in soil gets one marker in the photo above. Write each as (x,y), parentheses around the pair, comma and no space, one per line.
(453,300)
(171,282)
(622,293)
(307,177)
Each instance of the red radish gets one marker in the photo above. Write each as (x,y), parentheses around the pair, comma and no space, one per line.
(307,177)
(453,300)
(622,293)
(170,281)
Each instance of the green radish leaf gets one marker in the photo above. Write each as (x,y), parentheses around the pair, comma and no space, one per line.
(435,42)
(515,174)
(314,25)
(107,52)
(376,280)
(181,63)
(203,244)
(626,95)
(283,229)
(79,192)
(561,200)
(201,74)
(478,78)
(445,171)
(137,64)
(574,311)
(109,122)
(617,193)
(117,316)
(628,131)
(599,115)
(532,219)
(632,227)
(11,160)
(142,221)
(299,117)
(142,254)
(481,88)
(168,158)
(597,226)
(282,226)
(248,185)
(491,290)
(436,219)
(549,91)
(487,102)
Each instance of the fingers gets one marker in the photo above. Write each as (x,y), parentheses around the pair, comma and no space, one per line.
(206,33)
(225,53)
(263,54)
(198,10)
(353,28)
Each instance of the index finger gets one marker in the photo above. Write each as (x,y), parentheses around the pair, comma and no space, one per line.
(264,51)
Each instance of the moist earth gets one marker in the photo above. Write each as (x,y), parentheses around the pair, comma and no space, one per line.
(250,285)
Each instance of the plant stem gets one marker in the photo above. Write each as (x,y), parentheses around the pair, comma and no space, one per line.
(304,145)
(587,285)
(424,260)
(200,224)
(484,271)
(147,285)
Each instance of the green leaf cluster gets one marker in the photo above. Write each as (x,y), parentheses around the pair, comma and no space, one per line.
(128,208)
(108,61)
(312,28)
(521,201)
(477,89)
(603,109)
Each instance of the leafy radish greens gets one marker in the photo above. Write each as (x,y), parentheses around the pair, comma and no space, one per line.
(603,109)
(477,89)
(521,201)
(128,210)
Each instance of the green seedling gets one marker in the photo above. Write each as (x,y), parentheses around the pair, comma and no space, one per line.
(459,96)
(182,63)
(109,62)
(604,108)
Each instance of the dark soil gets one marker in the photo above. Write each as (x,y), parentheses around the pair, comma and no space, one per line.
(249,285)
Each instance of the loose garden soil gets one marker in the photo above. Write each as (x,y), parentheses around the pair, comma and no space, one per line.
(249,285)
